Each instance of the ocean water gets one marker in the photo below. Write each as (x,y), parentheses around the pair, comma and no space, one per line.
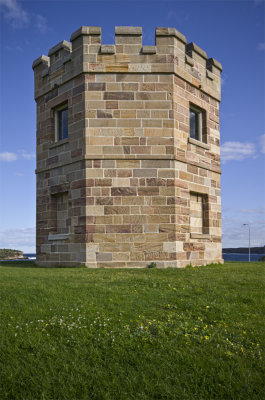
(241,256)
(31,256)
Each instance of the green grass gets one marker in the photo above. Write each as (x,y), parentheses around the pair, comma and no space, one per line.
(194,333)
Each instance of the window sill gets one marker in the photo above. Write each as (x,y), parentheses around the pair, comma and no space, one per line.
(200,236)
(58,236)
(199,143)
(59,143)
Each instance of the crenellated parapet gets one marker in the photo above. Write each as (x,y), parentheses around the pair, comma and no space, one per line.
(86,54)
(128,151)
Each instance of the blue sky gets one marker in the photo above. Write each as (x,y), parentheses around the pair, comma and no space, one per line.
(230,31)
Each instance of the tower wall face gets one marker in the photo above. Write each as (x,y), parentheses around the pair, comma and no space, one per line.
(130,182)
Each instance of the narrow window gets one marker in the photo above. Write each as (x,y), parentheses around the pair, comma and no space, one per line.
(61,123)
(195,123)
(198,213)
(61,212)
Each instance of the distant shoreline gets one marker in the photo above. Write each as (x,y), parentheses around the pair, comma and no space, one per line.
(14,258)
(244,250)
(12,254)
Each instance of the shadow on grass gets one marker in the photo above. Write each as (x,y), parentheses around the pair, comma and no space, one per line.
(32,264)
(19,263)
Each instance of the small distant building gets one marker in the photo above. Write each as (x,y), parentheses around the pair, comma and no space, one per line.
(128,152)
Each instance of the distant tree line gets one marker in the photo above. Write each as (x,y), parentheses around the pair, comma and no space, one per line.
(6,253)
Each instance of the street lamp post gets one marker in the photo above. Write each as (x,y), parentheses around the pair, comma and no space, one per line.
(248,241)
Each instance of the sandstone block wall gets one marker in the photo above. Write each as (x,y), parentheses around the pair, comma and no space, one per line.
(126,177)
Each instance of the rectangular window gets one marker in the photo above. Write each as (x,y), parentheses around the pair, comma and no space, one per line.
(195,123)
(198,213)
(61,123)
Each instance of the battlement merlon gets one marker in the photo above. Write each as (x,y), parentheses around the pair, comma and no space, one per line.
(85,54)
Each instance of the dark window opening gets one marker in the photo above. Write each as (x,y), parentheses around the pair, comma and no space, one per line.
(62,124)
(195,124)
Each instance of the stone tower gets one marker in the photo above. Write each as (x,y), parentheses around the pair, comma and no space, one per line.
(128,151)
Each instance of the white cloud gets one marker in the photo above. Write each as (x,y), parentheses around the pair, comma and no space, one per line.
(18,17)
(262,143)
(19,239)
(261,46)
(15,49)
(223,79)
(171,15)
(41,23)
(14,13)
(237,151)
(260,210)
(8,157)
(236,235)
(26,155)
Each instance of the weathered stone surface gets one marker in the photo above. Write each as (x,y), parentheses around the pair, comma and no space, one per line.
(128,30)
(128,185)
(62,45)
(107,49)
(193,47)
(123,191)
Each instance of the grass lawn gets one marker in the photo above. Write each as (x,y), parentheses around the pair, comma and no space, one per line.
(105,334)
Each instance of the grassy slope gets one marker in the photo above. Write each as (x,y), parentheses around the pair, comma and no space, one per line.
(194,333)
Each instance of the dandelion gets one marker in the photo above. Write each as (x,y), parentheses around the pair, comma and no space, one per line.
(206,337)
(229,353)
